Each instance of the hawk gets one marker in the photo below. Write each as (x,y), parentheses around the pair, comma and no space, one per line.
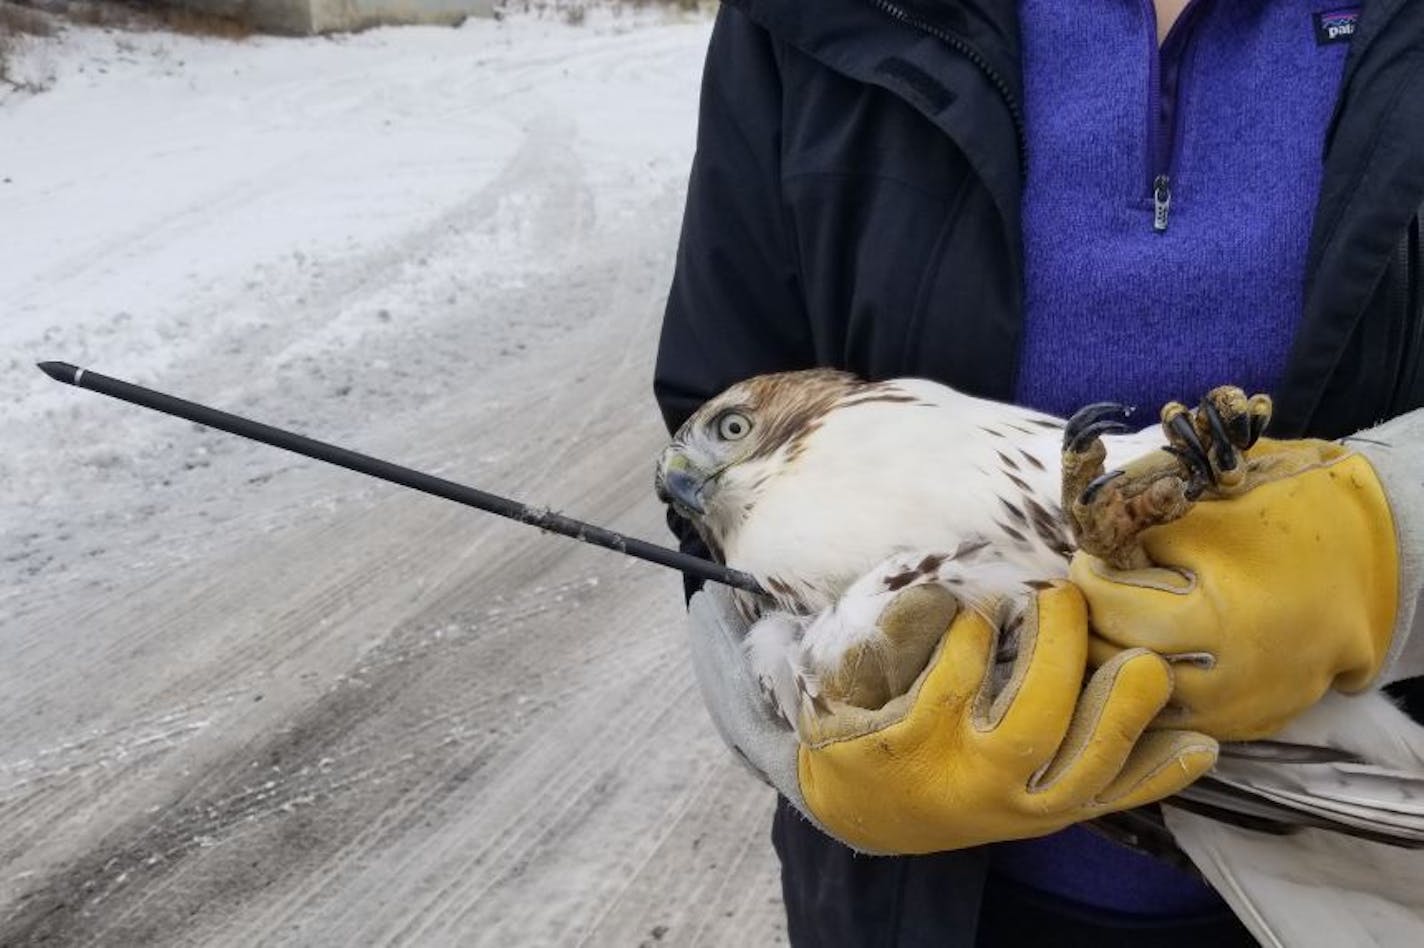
(836,493)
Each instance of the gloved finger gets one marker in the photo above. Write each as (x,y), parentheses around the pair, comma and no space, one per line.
(1101,651)
(915,622)
(1118,704)
(955,677)
(1196,687)
(1205,698)
(1194,682)
(1150,608)
(1162,763)
(1228,705)
(1036,707)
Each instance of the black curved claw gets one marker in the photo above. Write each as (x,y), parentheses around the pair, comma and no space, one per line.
(1097,484)
(1226,457)
(1257,426)
(1086,417)
(1182,427)
(1201,471)
(1095,431)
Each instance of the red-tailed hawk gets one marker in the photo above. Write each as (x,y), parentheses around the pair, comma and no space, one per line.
(836,493)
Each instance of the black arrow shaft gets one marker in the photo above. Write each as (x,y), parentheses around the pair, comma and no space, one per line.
(540,517)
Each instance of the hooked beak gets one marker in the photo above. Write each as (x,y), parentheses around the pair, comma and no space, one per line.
(681,483)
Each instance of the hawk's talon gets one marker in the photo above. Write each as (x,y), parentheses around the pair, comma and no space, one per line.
(1258,427)
(1204,456)
(1224,449)
(1198,467)
(1229,423)
(1258,411)
(1097,484)
(1237,424)
(1190,448)
(1095,431)
(1074,430)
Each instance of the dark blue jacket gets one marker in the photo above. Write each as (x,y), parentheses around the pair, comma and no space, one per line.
(859,165)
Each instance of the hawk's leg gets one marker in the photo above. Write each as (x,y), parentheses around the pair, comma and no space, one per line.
(853,655)
(1210,440)
(1083,451)
(1107,511)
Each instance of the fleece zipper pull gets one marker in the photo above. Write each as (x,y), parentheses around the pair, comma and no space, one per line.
(1168,75)
(1161,202)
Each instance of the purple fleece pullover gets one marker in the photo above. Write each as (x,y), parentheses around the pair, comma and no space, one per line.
(1232,113)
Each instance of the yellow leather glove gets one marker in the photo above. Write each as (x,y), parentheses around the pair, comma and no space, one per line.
(951,764)
(1264,598)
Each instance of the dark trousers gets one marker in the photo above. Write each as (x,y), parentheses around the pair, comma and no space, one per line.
(837,899)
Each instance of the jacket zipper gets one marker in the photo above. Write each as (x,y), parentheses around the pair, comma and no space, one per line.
(1164,107)
(974,56)
(1161,202)
(1407,297)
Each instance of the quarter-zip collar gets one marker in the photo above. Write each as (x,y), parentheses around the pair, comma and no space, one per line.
(1373,181)
(1164,114)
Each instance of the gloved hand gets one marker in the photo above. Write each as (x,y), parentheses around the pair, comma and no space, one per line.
(948,764)
(1264,598)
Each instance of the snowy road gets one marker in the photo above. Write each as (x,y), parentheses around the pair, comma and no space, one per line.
(248,700)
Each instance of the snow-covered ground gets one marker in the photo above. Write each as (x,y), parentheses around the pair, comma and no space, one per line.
(245,699)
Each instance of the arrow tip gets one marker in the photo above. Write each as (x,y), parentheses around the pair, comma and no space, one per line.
(60,371)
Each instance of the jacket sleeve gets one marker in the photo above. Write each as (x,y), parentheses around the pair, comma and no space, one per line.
(1396,450)
(735,308)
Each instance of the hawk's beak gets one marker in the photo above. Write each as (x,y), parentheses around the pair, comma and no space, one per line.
(681,483)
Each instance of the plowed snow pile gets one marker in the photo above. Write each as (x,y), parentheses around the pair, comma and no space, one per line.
(245,699)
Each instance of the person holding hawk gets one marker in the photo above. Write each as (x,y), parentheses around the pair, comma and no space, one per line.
(1049,205)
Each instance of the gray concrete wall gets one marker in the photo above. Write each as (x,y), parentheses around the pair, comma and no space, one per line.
(333,15)
(329,16)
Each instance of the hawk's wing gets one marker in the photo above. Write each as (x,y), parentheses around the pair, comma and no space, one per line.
(1311,890)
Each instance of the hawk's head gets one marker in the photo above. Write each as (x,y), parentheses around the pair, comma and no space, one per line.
(734,444)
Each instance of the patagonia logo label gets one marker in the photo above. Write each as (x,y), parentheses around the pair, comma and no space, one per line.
(1335,26)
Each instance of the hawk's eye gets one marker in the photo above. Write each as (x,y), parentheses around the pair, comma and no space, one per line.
(733,426)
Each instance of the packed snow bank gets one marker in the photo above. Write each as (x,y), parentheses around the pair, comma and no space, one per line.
(247,699)
(223,218)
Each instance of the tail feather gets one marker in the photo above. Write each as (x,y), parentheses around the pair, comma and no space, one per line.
(1311,889)
(1352,766)
(1318,804)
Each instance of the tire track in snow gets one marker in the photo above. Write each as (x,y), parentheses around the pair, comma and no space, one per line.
(466,731)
